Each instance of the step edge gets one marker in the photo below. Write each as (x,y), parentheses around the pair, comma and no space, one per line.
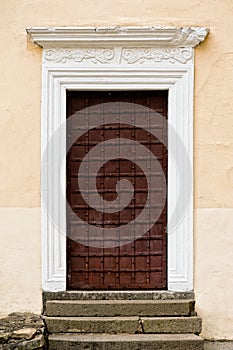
(93,337)
(91,318)
(121,318)
(112,301)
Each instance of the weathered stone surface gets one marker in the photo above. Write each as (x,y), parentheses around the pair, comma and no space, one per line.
(116,295)
(16,321)
(120,308)
(93,324)
(4,336)
(123,342)
(24,333)
(37,343)
(171,325)
(21,331)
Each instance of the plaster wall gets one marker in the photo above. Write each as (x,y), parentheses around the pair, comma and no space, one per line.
(20,92)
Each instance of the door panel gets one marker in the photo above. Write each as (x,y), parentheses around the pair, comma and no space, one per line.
(141,264)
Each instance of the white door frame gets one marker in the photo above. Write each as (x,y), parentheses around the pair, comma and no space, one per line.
(119,58)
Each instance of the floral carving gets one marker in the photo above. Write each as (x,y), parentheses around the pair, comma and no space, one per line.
(190,37)
(181,55)
(79,55)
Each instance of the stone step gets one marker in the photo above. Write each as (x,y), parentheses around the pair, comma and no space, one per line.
(171,325)
(129,325)
(110,308)
(125,341)
(117,295)
(93,324)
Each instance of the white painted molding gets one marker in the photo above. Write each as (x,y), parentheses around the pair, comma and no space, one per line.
(179,82)
(114,67)
(117,36)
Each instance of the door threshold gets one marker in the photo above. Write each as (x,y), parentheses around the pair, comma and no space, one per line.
(117,295)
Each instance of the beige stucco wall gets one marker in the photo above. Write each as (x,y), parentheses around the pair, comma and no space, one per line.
(20,262)
(20,85)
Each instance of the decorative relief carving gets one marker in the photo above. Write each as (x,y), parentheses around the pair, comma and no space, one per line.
(181,55)
(124,56)
(189,37)
(100,55)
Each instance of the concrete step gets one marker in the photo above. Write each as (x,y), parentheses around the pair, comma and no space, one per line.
(129,325)
(125,341)
(110,308)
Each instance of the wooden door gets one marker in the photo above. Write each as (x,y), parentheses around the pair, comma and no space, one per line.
(141,264)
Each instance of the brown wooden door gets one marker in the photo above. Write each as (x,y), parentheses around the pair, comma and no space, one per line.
(141,264)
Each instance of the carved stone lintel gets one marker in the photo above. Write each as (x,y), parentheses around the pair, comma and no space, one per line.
(79,55)
(182,55)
